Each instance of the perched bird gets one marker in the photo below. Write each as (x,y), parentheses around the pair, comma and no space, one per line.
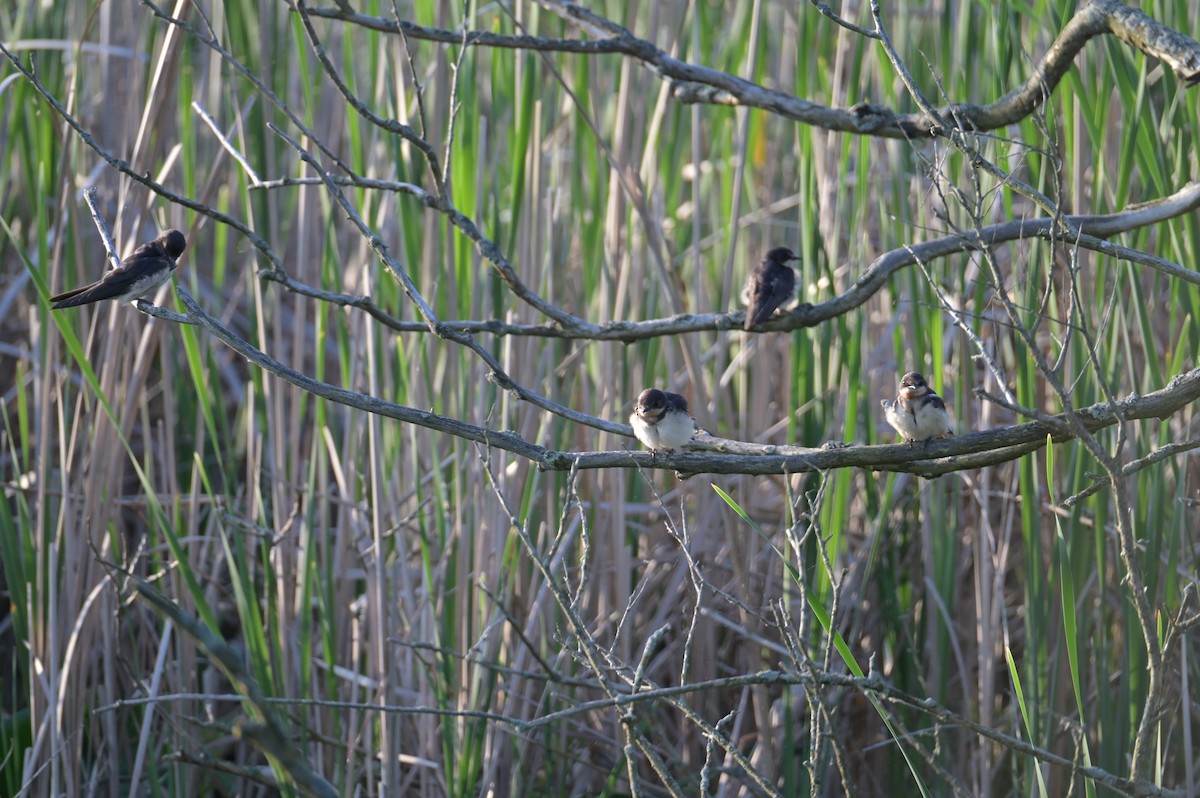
(661,420)
(771,284)
(147,268)
(918,413)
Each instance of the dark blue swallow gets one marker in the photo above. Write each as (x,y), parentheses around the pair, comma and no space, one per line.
(771,284)
(147,268)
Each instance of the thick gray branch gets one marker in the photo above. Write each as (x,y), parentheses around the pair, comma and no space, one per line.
(694,83)
(720,456)
(1093,230)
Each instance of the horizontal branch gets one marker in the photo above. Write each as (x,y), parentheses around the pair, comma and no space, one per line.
(959,453)
(1133,466)
(1093,230)
(708,454)
(870,684)
(693,83)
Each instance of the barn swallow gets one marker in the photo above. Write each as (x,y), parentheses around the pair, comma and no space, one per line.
(918,413)
(661,420)
(147,268)
(771,284)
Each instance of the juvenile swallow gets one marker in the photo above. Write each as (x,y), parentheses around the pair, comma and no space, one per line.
(918,413)
(661,420)
(147,268)
(771,284)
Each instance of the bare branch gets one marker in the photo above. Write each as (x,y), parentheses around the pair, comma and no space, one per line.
(496,372)
(1133,466)
(721,456)
(393,126)
(692,83)
(1092,230)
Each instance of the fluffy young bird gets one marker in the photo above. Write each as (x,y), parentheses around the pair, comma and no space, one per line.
(147,268)
(661,420)
(771,284)
(918,413)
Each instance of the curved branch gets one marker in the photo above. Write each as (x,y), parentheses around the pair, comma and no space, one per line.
(693,83)
(1099,17)
(1133,466)
(971,450)
(1093,230)
(721,456)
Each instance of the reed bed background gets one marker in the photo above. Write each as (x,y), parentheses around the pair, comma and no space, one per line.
(398,590)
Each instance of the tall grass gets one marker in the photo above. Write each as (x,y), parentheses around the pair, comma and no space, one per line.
(355,563)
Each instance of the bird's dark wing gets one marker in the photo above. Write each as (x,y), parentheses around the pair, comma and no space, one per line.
(676,401)
(111,285)
(936,401)
(768,290)
(147,260)
(71,293)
